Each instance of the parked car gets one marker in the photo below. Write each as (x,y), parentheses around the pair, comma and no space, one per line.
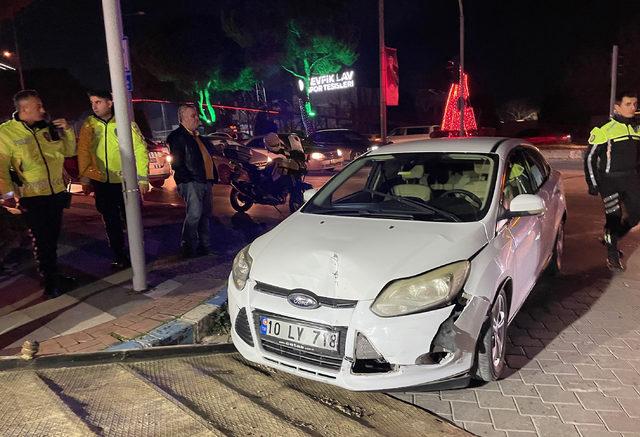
(350,143)
(159,164)
(405,268)
(319,157)
(542,137)
(412,133)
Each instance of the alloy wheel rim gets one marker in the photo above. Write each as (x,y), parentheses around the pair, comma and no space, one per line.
(498,329)
(559,247)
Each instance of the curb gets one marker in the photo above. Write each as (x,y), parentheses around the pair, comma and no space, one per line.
(189,328)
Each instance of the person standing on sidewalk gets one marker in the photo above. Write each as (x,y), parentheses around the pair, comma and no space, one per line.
(35,150)
(100,169)
(194,174)
(612,165)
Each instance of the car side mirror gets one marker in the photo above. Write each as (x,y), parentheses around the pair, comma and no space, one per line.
(525,205)
(308,194)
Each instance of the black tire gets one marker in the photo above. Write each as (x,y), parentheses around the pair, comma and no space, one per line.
(555,264)
(239,202)
(157,183)
(490,361)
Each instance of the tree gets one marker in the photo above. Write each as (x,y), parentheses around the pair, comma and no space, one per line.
(519,110)
(312,54)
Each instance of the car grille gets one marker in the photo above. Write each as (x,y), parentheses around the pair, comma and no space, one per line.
(318,359)
(323,301)
(242,327)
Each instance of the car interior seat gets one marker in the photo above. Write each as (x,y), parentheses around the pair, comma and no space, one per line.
(411,187)
(478,182)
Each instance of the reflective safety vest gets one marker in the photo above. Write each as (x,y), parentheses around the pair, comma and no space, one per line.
(36,156)
(614,151)
(99,151)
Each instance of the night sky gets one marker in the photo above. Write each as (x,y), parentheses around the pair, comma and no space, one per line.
(514,49)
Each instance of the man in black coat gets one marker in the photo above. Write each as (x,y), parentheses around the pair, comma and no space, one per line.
(195,175)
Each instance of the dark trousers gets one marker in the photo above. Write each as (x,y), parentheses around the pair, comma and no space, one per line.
(43,215)
(195,230)
(621,197)
(110,203)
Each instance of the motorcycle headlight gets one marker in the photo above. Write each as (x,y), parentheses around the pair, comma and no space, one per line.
(339,152)
(317,156)
(420,293)
(241,268)
(169,159)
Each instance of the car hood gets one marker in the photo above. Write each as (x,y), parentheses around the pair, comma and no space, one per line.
(353,257)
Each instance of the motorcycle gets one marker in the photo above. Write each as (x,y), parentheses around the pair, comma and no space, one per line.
(250,185)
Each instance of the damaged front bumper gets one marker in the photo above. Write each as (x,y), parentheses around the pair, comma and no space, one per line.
(375,353)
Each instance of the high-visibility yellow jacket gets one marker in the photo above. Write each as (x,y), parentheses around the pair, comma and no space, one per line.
(36,157)
(99,153)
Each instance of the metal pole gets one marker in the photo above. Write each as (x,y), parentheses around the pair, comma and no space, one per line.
(18,60)
(383,74)
(614,79)
(131,192)
(461,78)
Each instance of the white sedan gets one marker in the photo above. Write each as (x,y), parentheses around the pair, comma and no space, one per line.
(405,269)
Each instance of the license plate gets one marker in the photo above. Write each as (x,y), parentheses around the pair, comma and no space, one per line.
(299,336)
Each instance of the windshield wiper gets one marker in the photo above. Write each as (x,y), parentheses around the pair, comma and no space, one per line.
(363,213)
(415,203)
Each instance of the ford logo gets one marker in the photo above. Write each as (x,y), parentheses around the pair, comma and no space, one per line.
(303,300)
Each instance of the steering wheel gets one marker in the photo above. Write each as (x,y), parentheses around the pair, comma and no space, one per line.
(466,194)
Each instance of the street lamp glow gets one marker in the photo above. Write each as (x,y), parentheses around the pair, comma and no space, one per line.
(7,54)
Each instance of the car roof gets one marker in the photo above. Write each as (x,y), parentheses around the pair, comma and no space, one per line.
(497,145)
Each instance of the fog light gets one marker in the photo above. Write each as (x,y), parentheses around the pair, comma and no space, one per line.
(365,350)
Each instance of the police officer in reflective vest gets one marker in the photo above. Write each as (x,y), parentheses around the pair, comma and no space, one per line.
(101,169)
(35,150)
(611,170)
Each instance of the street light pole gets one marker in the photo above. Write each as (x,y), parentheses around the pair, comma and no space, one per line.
(383,74)
(131,192)
(18,60)
(461,101)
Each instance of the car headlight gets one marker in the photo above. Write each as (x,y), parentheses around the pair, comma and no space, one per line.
(317,156)
(422,292)
(339,152)
(241,268)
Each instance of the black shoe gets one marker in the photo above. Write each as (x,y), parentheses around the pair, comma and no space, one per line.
(121,263)
(203,251)
(67,282)
(604,243)
(613,260)
(52,293)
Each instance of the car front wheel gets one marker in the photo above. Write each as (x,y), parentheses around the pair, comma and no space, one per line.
(491,351)
(555,265)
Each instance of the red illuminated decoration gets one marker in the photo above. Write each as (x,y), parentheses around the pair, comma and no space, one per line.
(451,117)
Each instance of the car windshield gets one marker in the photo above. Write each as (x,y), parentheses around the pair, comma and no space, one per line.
(450,187)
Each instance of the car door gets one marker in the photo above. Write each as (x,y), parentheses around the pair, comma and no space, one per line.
(526,231)
(548,189)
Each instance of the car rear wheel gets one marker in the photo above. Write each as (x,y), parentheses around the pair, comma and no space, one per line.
(555,265)
(491,351)
(239,202)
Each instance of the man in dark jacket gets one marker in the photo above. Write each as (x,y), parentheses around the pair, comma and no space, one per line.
(194,174)
(612,171)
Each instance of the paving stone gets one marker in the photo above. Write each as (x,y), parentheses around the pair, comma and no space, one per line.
(595,431)
(543,333)
(577,415)
(521,434)
(483,430)
(490,399)
(594,372)
(575,358)
(537,377)
(626,354)
(559,344)
(628,377)
(575,383)
(598,402)
(593,350)
(620,422)
(550,427)
(517,388)
(525,340)
(557,367)
(431,403)
(534,407)
(459,395)
(616,389)
(540,353)
(488,386)
(407,397)
(508,420)
(631,407)
(556,395)
(609,363)
(468,412)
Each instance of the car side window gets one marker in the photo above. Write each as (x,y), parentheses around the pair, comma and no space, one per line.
(417,131)
(518,178)
(538,168)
